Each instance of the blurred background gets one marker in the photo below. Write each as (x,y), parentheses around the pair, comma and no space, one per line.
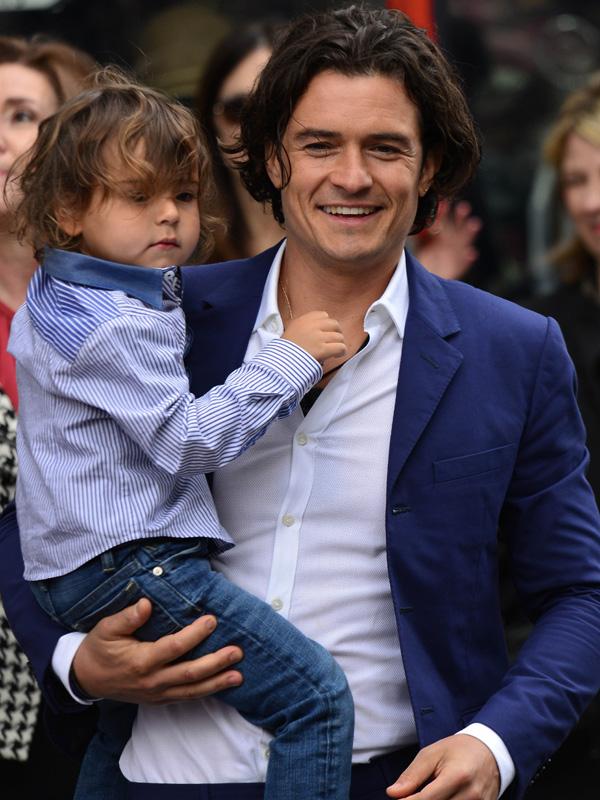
(518,58)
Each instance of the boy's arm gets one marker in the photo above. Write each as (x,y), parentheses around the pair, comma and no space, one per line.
(133,371)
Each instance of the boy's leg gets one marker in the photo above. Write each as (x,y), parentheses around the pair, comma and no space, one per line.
(100,777)
(292,687)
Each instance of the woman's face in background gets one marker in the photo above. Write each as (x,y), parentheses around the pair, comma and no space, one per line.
(233,92)
(580,183)
(26,99)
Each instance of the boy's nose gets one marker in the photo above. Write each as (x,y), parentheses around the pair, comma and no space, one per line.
(168,211)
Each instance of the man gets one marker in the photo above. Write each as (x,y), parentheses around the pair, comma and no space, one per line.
(371,519)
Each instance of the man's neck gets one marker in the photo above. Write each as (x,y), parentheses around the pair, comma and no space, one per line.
(345,294)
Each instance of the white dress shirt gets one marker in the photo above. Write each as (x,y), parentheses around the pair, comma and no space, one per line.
(305,506)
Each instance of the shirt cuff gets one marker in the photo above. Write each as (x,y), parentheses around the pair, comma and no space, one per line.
(490,738)
(62,659)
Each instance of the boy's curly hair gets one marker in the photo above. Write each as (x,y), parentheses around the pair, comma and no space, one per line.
(155,139)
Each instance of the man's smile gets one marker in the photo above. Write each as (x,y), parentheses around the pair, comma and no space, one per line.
(350,211)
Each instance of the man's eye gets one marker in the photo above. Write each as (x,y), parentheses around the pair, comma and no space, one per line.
(137,197)
(386,149)
(319,148)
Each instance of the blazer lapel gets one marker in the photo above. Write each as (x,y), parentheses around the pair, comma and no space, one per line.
(220,312)
(428,363)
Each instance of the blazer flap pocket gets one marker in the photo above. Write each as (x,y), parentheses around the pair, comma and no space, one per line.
(450,469)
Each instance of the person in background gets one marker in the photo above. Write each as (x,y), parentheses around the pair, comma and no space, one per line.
(223,88)
(572,148)
(36,76)
(447,248)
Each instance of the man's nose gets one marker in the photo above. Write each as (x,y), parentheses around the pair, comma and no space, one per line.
(351,172)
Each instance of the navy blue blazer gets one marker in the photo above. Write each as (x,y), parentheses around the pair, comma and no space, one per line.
(487,442)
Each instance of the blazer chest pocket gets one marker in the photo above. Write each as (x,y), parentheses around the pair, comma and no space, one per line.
(473,464)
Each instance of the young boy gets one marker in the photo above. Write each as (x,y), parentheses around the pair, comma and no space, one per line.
(112,498)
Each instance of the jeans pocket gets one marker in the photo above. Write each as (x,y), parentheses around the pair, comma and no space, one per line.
(106,599)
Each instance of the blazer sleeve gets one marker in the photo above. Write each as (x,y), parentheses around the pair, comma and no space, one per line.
(35,631)
(552,526)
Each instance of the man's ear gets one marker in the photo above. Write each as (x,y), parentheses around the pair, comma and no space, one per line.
(273,168)
(68,222)
(431,165)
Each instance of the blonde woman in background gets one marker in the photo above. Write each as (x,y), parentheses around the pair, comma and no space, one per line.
(572,149)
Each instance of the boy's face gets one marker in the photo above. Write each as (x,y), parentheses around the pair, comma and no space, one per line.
(129,227)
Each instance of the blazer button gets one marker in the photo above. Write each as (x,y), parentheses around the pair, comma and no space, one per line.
(400,509)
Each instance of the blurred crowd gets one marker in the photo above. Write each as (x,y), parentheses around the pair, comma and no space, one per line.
(560,274)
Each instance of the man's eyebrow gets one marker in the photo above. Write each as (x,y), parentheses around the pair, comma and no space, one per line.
(315,133)
(393,136)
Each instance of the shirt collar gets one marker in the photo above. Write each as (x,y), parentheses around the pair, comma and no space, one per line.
(158,287)
(393,303)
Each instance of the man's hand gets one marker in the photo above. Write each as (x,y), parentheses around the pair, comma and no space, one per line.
(112,663)
(457,768)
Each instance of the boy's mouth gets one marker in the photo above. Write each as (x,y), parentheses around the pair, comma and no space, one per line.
(166,243)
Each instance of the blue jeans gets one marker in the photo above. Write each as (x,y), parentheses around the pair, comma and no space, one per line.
(292,687)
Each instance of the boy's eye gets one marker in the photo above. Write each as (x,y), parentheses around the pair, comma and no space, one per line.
(187,197)
(137,197)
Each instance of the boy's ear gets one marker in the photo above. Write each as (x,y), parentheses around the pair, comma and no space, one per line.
(68,222)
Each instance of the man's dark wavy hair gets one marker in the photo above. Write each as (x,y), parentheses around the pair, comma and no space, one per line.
(359,41)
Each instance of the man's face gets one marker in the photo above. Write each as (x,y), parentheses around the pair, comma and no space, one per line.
(357,172)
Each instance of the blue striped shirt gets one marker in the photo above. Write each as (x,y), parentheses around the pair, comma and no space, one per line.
(111,444)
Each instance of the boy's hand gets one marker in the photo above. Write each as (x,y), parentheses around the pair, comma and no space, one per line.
(318,334)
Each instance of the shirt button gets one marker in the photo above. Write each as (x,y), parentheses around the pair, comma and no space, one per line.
(272,325)
(302,439)
(266,752)
(158,571)
(288,520)
(277,604)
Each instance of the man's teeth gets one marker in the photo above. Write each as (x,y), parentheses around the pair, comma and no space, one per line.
(348,211)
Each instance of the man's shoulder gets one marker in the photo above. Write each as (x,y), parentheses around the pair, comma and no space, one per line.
(204,278)
(478,309)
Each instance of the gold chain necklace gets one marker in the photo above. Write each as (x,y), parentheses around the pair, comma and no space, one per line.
(287,300)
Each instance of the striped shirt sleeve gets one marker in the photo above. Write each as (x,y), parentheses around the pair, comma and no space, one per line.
(131,368)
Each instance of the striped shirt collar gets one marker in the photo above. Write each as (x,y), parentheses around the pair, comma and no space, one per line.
(159,288)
